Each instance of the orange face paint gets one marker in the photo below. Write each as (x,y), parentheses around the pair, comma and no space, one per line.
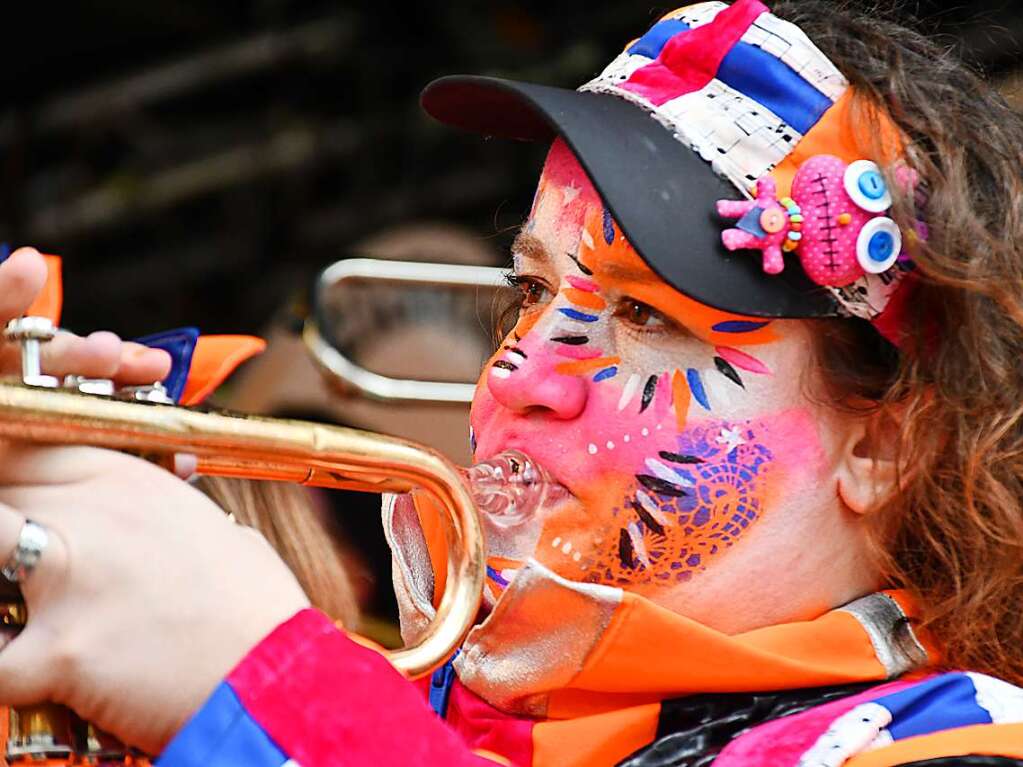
(656,412)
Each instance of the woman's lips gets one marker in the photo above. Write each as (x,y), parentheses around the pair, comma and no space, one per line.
(556,493)
(557,489)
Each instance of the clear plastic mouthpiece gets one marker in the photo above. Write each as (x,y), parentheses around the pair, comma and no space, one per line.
(509,488)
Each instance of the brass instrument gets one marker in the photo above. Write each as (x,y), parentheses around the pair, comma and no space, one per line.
(141,419)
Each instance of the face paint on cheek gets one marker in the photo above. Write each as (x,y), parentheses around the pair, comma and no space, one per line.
(689,502)
(692,497)
(663,480)
(657,498)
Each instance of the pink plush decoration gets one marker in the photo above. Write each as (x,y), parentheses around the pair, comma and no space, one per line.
(768,242)
(832,202)
(828,248)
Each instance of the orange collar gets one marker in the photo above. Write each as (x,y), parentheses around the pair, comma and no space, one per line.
(554,648)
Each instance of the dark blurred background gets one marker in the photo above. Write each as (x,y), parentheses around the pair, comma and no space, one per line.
(196,162)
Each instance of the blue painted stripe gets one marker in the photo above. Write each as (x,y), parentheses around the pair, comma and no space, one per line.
(770,81)
(222,734)
(609,227)
(575,314)
(739,326)
(5,251)
(440,686)
(652,43)
(696,387)
(938,704)
(753,72)
(606,373)
(492,573)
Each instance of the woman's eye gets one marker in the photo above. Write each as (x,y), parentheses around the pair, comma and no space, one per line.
(532,291)
(639,314)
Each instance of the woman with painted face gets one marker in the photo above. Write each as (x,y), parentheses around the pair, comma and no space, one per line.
(767,353)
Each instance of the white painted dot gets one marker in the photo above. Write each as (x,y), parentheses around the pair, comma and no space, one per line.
(645,432)
(626,438)
(567,547)
(556,542)
(658,427)
(610,445)
(592,448)
(577,556)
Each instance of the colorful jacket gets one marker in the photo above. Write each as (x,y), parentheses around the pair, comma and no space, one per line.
(309,696)
(568,674)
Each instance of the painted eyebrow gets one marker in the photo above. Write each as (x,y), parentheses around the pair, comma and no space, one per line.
(530,247)
(628,274)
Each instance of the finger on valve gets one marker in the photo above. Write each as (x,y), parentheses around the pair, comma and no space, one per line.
(104,355)
(22,276)
(94,356)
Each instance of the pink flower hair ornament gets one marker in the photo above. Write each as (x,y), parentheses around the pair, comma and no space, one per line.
(835,221)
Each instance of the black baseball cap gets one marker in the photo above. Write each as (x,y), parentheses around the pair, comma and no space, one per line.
(661,193)
(709,100)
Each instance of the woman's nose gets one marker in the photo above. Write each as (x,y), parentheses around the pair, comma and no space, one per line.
(525,378)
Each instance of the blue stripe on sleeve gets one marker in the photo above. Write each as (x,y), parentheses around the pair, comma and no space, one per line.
(179,344)
(652,43)
(941,703)
(222,734)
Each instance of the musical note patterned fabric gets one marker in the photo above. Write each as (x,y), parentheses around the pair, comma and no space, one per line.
(726,113)
(744,88)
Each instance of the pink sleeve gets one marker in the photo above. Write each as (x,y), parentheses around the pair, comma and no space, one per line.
(322,699)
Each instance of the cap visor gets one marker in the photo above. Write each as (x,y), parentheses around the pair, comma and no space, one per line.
(661,193)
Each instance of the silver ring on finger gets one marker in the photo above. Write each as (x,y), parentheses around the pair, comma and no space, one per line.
(32,542)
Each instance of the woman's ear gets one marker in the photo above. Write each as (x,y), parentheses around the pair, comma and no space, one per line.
(867,469)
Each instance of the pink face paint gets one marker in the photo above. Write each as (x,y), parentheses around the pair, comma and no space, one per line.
(670,438)
(578,352)
(580,283)
(742,360)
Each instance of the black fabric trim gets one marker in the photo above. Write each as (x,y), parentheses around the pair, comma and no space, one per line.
(691,731)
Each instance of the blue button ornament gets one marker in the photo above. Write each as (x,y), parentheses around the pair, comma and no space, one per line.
(872,185)
(881,246)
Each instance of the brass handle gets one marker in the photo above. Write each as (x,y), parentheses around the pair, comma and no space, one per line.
(417,273)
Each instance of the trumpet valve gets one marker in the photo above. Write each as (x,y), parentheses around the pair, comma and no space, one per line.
(31,333)
(154,394)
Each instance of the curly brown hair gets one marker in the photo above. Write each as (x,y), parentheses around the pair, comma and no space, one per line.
(953,532)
